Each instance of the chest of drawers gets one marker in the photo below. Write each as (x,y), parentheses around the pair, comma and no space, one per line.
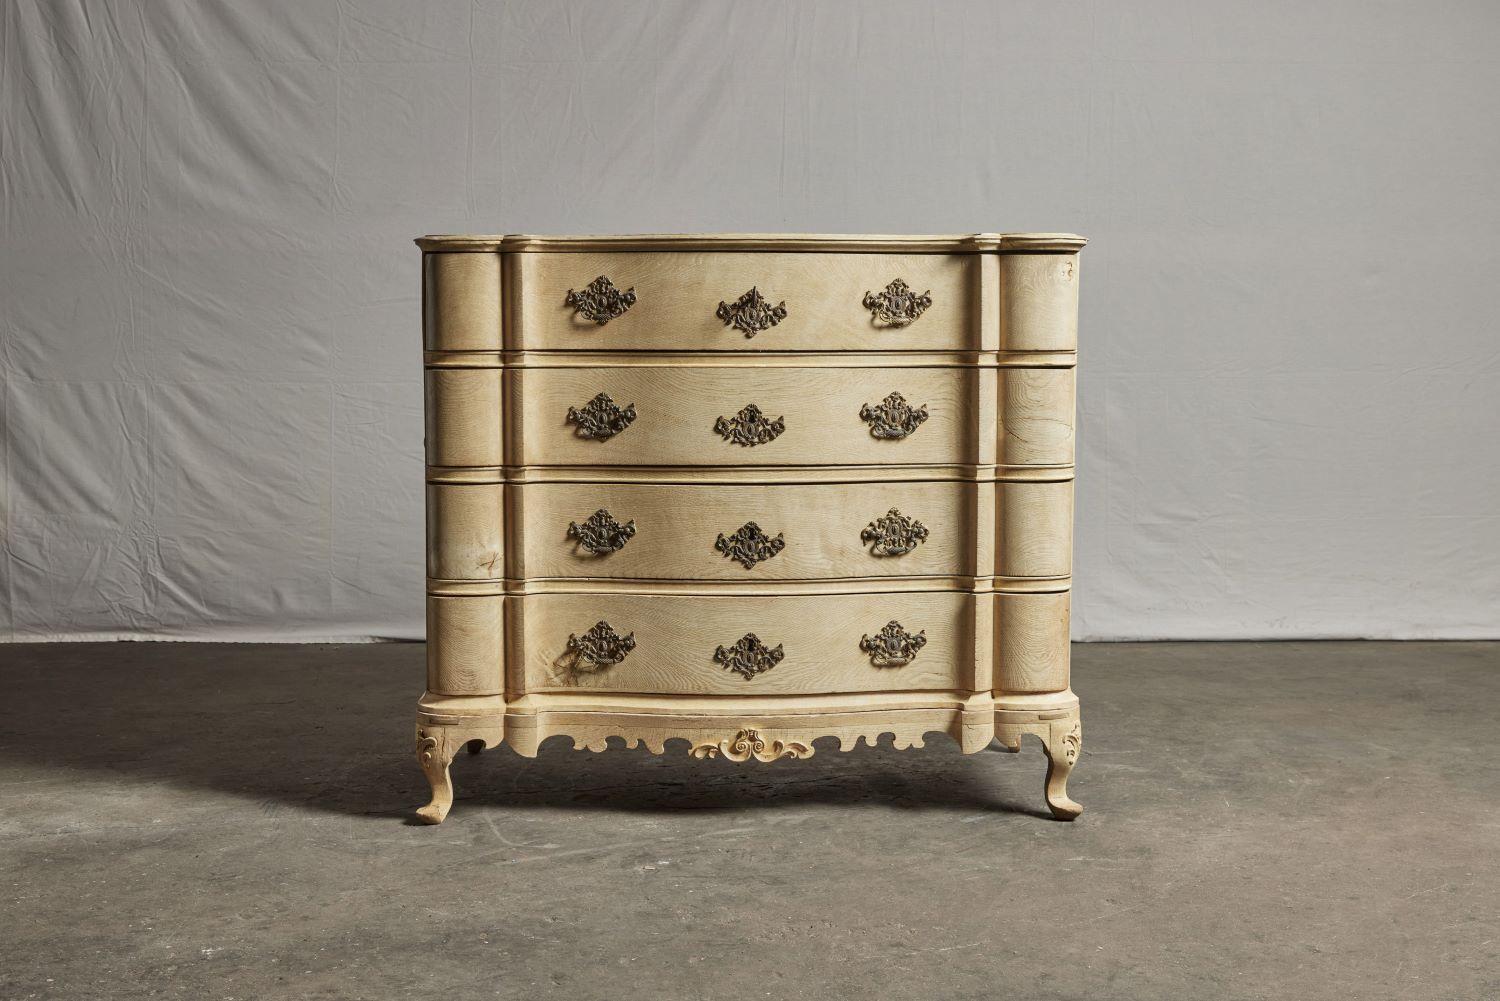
(735,494)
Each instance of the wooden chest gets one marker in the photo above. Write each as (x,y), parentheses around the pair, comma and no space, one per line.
(745,492)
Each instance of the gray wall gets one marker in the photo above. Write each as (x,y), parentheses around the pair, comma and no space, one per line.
(1290,392)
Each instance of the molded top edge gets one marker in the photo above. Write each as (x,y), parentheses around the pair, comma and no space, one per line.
(784,242)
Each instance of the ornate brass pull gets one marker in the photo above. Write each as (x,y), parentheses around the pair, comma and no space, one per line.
(892,417)
(749,656)
(897,305)
(751,313)
(893,646)
(894,534)
(599,648)
(749,427)
(600,301)
(749,545)
(600,419)
(601,534)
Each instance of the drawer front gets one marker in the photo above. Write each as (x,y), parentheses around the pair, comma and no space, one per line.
(807,302)
(746,645)
(743,532)
(700,415)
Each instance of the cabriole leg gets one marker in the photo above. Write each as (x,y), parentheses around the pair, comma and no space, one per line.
(437,744)
(1061,734)
(1063,743)
(435,754)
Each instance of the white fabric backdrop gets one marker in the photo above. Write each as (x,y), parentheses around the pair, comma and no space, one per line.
(209,299)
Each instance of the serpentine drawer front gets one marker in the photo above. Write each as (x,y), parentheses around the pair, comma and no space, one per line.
(746,492)
(688,412)
(696,644)
(696,301)
(743,532)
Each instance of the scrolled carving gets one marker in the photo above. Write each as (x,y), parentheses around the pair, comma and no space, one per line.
(750,427)
(749,744)
(1073,742)
(897,305)
(749,656)
(894,534)
(600,419)
(601,534)
(428,748)
(599,648)
(892,417)
(893,646)
(749,545)
(600,301)
(751,313)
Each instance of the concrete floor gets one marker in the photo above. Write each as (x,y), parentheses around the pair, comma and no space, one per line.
(1289,820)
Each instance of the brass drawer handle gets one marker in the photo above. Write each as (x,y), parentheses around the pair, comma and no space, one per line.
(892,417)
(600,419)
(600,301)
(893,534)
(898,305)
(601,534)
(751,313)
(893,646)
(749,427)
(749,656)
(599,648)
(749,545)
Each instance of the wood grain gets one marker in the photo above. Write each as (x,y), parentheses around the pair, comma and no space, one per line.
(676,527)
(1039,302)
(677,407)
(783,728)
(466,531)
(461,302)
(464,417)
(845,243)
(989,474)
(676,636)
(1034,652)
(1034,535)
(678,293)
(1036,416)
(466,645)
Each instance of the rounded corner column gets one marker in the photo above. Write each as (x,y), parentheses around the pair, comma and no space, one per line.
(1038,318)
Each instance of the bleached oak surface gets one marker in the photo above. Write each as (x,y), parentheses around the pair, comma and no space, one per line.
(889,552)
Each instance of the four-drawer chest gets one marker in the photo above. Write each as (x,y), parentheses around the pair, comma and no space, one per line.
(733,494)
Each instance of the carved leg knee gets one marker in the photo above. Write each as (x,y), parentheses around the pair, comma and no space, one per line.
(1064,741)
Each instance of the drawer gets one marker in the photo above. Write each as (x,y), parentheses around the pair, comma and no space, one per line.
(807,301)
(746,645)
(701,415)
(751,532)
